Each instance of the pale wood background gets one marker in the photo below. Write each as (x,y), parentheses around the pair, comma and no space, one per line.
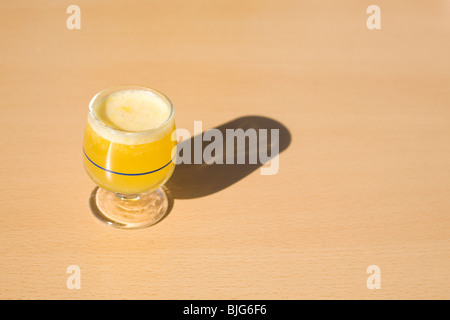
(365,180)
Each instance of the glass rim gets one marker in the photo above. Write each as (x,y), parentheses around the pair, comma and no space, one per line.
(112,89)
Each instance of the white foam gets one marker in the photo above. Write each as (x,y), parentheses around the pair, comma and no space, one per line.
(131,116)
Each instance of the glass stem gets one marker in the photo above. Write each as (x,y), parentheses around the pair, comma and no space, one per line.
(128,197)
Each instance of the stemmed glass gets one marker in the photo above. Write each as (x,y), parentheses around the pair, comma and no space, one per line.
(129,152)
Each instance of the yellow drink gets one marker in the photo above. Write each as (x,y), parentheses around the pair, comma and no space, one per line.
(129,142)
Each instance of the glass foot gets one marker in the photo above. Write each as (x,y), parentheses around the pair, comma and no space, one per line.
(129,211)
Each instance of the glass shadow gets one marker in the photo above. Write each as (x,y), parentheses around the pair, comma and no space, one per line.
(191,180)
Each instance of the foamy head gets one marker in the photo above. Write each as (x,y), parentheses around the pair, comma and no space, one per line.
(131,115)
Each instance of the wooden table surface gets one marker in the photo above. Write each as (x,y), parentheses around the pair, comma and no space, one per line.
(364,178)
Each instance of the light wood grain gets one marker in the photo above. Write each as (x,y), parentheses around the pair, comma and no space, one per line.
(365,179)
